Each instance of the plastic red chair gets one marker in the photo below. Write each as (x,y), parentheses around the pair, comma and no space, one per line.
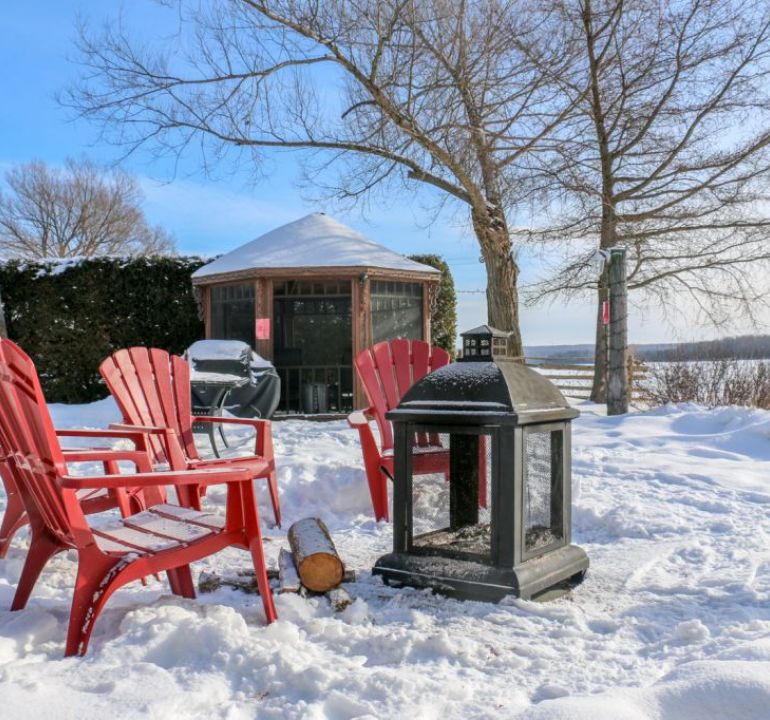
(128,500)
(387,370)
(164,537)
(152,390)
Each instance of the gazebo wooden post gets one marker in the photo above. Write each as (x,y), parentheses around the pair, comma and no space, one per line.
(427,291)
(263,308)
(206,298)
(361,305)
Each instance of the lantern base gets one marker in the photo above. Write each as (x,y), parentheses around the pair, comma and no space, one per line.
(544,577)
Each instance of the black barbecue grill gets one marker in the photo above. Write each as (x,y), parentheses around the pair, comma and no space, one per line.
(229,375)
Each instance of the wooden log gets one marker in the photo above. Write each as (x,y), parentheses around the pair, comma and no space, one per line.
(315,557)
(288,579)
(239,580)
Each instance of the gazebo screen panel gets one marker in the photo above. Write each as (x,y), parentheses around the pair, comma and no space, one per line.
(232,312)
(396,310)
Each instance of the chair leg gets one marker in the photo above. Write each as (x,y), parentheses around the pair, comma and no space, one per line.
(260,574)
(254,540)
(272,484)
(42,548)
(14,518)
(378,490)
(383,503)
(181,582)
(97,579)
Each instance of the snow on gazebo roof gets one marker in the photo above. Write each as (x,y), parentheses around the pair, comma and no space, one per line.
(314,241)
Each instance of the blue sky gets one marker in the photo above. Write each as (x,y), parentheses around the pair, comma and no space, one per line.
(212,215)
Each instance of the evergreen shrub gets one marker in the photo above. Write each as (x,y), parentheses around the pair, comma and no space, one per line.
(69,315)
(443,317)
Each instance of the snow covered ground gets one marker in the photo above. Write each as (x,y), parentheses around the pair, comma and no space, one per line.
(673,620)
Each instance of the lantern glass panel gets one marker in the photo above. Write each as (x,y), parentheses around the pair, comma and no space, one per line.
(447,518)
(543,473)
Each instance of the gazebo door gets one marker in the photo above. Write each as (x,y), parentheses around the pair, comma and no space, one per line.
(313,348)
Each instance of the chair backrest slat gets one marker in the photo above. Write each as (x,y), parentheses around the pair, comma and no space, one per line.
(384,362)
(387,370)
(33,454)
(152,387)
(402,365)
(180,384)
(120,370)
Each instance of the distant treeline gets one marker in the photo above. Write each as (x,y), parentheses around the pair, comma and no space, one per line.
(744,347)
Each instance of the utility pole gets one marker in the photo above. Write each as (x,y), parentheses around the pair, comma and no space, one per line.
(617,372)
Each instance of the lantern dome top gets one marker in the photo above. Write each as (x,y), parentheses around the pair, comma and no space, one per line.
(498,392)
(486,330)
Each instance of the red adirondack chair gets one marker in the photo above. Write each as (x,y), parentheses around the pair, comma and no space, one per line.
(163,537)
(387,370)
(128,500)
(152,389)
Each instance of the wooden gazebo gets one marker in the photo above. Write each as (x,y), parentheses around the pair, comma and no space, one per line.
(309,296)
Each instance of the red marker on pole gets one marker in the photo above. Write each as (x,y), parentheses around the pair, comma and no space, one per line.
(605,312)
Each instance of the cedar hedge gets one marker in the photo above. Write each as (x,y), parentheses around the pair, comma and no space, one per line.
(443,316)
(69,315)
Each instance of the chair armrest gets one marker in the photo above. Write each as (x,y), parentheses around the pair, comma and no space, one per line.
(172,447)
(185,477)
(103,455)
(360,421)
(129,432)
(263,442)
(360,417)
(143,429)
(107,456)
(254,422)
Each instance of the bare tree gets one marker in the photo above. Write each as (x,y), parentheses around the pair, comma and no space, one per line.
(439,92)
(80,210)
(667,154)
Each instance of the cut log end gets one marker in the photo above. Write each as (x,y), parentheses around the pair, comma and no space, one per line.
(320,572)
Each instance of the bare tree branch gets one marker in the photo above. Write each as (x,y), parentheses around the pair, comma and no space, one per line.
(80,210)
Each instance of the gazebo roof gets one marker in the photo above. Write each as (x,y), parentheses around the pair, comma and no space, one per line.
(314,241)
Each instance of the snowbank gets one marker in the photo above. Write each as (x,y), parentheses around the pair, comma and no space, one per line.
(672,623)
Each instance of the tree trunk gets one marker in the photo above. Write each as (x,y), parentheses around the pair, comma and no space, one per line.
(494,240)
(609,219)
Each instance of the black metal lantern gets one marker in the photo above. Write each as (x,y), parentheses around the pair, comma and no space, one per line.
(508,525)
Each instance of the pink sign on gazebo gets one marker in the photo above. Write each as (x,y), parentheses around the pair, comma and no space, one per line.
(262,328)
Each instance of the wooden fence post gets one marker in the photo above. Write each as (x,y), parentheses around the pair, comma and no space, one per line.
(617,376)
